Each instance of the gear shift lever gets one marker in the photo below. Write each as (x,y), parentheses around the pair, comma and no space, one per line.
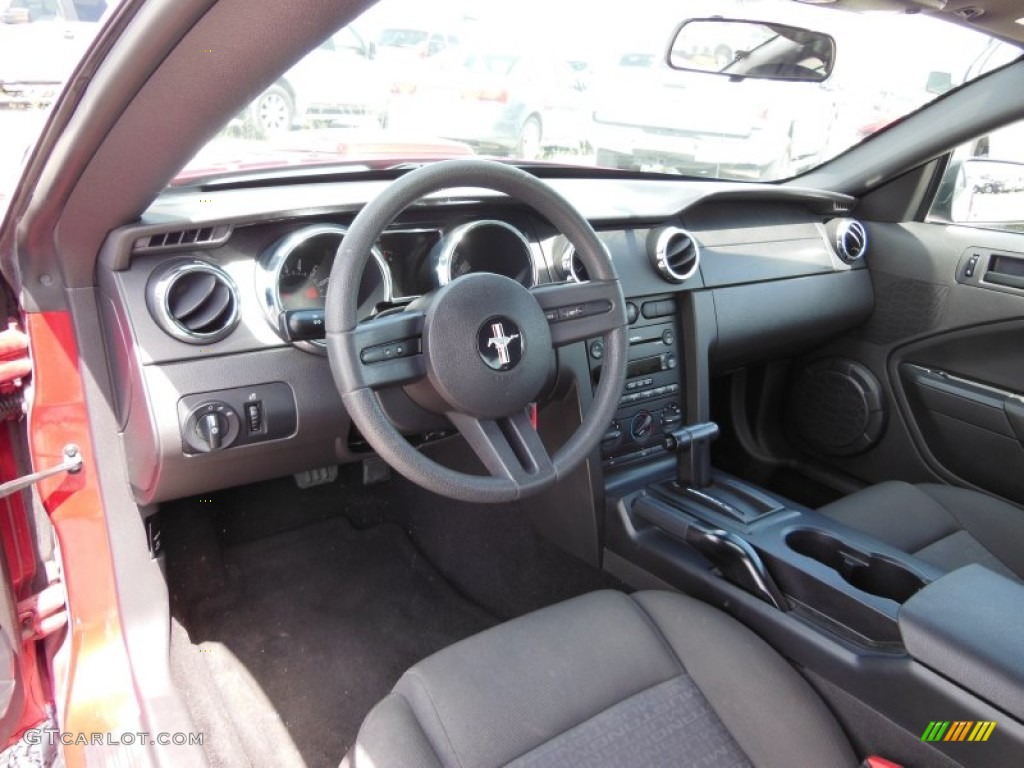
(692,446)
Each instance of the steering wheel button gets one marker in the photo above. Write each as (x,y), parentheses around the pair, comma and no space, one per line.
(572,313)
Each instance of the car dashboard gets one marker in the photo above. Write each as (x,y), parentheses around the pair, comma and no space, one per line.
(213,307)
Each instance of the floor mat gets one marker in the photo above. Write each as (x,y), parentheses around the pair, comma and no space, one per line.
(314,626)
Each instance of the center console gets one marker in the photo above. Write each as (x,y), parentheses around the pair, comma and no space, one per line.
(878,631)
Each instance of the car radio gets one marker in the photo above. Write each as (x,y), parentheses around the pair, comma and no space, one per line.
(651,401)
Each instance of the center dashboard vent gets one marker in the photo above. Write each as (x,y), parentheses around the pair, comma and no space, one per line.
(851,240)
(193,301)
(573,268)
(674,252)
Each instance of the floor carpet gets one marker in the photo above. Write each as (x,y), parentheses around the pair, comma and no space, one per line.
(311,628)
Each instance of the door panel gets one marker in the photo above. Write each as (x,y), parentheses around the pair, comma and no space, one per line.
(971,429)
(946,340)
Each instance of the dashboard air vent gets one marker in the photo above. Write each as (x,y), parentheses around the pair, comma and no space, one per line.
(674,252)
(193,301)
(199,237)
(851,240)
(572,266)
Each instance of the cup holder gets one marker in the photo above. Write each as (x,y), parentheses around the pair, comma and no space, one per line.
(869,572)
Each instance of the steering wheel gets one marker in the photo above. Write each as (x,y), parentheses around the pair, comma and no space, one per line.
(478,350)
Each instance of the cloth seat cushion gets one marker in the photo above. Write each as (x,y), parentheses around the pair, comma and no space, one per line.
(606,679)
(945,526)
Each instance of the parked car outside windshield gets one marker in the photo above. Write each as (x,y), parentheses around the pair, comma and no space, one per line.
(520,104)
(338,83)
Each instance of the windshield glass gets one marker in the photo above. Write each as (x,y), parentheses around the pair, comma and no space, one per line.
(590,85)
(559,81)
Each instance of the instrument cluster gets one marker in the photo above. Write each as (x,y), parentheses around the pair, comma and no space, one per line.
(407,262)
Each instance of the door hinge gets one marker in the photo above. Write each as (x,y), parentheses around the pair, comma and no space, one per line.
(44,613)
(71,464)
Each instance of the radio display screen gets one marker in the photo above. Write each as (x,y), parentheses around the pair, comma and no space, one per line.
(643,367)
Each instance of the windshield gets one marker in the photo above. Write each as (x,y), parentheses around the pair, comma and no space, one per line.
(556,81)
(591,86)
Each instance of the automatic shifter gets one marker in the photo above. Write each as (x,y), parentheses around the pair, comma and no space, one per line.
(692,446)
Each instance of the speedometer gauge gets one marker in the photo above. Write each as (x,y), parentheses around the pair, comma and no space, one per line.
(294,275)
(485,246)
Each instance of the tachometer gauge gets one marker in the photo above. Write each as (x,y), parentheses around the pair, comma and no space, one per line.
(294,275)
(303,280)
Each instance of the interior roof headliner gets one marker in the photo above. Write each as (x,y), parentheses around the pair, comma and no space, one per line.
(998,17)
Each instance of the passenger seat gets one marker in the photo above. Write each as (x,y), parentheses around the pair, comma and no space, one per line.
(945,526)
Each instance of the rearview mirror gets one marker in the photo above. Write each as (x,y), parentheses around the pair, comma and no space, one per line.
(988,192)
(752,49)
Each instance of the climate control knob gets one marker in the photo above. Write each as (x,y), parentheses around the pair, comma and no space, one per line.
(642,426)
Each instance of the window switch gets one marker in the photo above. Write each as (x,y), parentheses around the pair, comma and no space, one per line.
(254,416)
(971,264)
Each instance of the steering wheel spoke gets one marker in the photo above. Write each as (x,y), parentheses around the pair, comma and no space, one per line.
(389,349)
(578,311)
(509,447)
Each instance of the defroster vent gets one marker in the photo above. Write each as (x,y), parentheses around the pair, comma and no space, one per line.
(183,239)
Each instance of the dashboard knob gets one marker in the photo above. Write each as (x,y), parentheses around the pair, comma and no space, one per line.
(211,428)
(642,426)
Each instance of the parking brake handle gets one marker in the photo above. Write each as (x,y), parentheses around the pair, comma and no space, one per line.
(738,562)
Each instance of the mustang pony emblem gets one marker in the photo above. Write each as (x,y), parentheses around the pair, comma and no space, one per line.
(500,341)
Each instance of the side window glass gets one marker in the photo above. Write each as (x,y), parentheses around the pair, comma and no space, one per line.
(983,186)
